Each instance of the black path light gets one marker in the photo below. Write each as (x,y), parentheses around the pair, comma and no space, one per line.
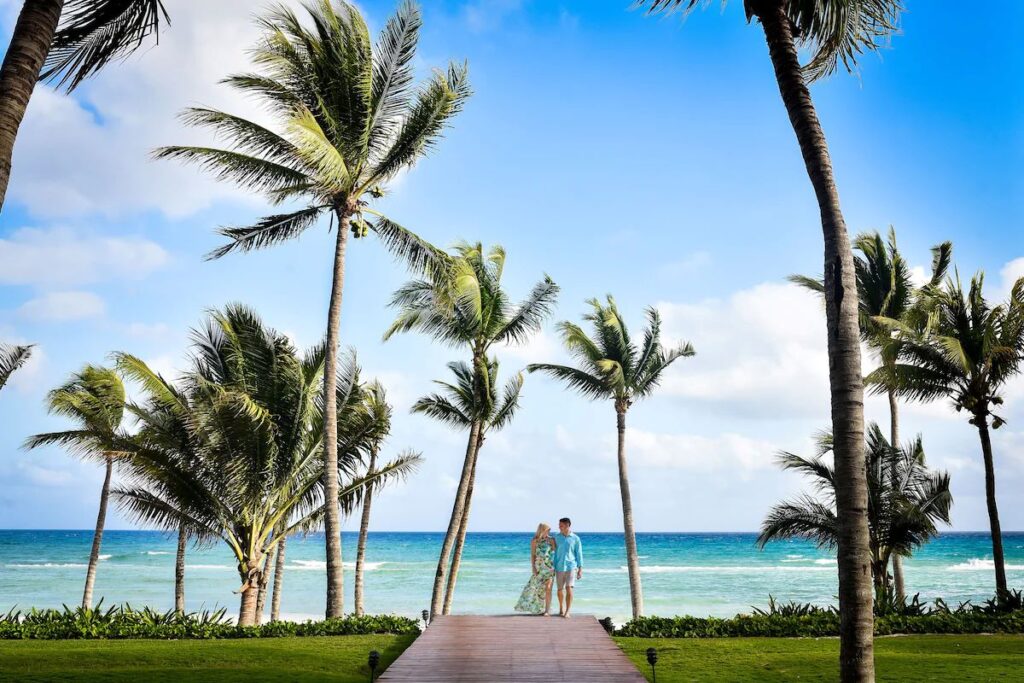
(373,661)
(652,659)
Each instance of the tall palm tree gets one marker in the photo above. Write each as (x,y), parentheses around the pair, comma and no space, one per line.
(834,32)
(349,118)
(458,405)
(905,501)
(971,350)
(375,403)
(612,367)
(94,399)
(464,305)
(11,358)
(260,474)
(885,288)
(65,41)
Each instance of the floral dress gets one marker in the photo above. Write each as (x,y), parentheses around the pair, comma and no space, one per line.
(532,599)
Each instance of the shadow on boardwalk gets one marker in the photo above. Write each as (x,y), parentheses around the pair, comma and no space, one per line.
(523,649)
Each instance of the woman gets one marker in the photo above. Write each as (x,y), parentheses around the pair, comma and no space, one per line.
(536,597)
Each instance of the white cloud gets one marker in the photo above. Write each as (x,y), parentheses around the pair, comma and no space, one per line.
(149,330)
(45,476)
(761,352)
(56,306)
(688,265)
(541,348)
(63,257)
(734,453)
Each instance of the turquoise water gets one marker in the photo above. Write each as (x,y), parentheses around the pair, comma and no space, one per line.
(700,574)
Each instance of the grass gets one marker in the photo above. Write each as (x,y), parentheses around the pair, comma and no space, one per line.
(329,658)
(907,659)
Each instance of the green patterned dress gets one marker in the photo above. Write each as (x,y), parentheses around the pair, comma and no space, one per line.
(532,599)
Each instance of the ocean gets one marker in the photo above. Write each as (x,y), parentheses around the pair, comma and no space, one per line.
(718,574)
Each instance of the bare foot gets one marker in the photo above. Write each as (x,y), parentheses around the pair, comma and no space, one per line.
(566,615)
(546,614)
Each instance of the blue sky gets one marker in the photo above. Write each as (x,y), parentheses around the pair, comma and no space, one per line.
(646,157)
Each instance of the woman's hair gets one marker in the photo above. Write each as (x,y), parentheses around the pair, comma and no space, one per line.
(542,529)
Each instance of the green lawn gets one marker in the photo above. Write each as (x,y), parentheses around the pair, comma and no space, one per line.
(329,658)
(906,659)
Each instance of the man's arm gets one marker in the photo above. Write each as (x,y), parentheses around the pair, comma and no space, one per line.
(579,557)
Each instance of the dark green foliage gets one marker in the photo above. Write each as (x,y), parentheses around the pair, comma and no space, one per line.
(795,620)
(121,622)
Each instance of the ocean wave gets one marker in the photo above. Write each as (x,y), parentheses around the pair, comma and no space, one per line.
(728,569)
(829,560)
(47,565)
(156,552)
(207,566)
(322,565)
(105,557)
(980,564)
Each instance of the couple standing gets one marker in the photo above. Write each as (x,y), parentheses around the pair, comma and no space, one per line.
(557,557)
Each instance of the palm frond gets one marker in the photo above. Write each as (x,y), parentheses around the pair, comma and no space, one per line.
(268,231)
(12,358)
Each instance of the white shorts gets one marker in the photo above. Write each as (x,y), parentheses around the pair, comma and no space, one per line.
(565,579)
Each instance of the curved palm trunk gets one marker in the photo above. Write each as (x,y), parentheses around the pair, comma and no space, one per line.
(364,527)
(261,596)
(30,45)
(97,537)
(460,541)
(856,650)
(993,511)
(636,593)
(332,516)
(247,607)
(458,509)
(894,440)
(275,600)
(179,571)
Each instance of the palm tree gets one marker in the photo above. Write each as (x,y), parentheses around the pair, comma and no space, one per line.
(12,358)
(464,305)
(350,118)
(375,403)
(94,399)
(971,350)
(834,32)
(905,501)
(885,288)
(458,405)
(65,41)
(612,367)
(260,472)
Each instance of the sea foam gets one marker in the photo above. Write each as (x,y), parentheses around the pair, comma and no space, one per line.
(981,564)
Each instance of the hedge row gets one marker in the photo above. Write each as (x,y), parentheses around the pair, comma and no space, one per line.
(124,622)
(818,625)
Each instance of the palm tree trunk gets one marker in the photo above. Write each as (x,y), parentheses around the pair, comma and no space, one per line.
(993,512)
(261,597)
(275,600)
(458,508)
(97,536)
(856,650)
(247,606)
(636,593)
(894,441)
(30,45)
(364,527)
(179,571)
(332,516)
(460,541)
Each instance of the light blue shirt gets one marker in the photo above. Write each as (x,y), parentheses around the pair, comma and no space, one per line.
(568,552)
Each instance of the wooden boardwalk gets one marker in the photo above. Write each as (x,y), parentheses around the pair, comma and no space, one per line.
(523,649)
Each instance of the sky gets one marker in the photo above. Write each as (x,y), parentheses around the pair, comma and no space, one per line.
(646,157)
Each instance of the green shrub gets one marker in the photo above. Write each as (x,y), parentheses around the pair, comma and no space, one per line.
(125,622)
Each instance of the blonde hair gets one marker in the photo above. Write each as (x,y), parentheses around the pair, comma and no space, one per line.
(542,529)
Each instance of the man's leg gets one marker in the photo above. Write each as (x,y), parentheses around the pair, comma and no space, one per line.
(561,601)
(568,601)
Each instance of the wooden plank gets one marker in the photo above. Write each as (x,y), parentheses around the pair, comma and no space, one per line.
(523,649)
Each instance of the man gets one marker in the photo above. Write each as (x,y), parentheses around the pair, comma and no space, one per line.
(568,564)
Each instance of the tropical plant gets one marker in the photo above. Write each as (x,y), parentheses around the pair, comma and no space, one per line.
(612,367)
(349,118)
(94,399)
(259,476)
(65,41)
(464,305)
(459,405)
(905,502)
(885,288)
(969,353)
(11,358)
(833,32)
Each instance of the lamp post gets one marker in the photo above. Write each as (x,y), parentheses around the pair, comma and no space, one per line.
(372,661)
(652,659)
